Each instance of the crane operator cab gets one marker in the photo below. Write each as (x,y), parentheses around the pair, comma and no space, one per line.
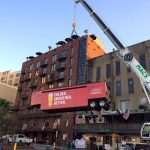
(145,131)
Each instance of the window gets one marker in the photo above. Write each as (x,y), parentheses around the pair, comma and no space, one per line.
(53,67)
(118,88)
(30,75)
(124,105)
(108,70)
(38,64)
(142,61)
(118,68)
(18,75)
(109,86)
(54,58)
(71,60)
(128,69)
(43,79)
(31,67)
(72,50)
(131,85)
(63,54)
(69,82)
(37,72)
(62,64)
(61,75)
(98,73)
(46,61)
(51,86)
(44,70)
(60,84)
(70,72)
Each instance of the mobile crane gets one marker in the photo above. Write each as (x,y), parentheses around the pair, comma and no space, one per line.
(127,57)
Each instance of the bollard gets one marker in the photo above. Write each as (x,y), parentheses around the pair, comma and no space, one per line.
(15,146)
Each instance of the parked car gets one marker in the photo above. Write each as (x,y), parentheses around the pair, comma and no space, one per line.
(8,138)
(22,138)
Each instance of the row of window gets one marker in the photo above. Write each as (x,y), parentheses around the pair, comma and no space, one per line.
(54,58)
(118,86)
(118,68)
(44,72)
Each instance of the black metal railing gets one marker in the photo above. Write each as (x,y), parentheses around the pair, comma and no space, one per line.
(109,127)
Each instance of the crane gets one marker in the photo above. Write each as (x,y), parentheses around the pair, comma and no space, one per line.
(128,58)
(123,52)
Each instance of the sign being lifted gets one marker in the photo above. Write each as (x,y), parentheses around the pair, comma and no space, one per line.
(75,97)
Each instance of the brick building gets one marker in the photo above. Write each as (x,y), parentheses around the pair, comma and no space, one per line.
(60,67)
(79,61)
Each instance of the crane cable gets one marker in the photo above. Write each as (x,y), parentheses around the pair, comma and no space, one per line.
(74,21)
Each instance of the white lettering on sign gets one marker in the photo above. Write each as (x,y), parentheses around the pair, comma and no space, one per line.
(60,98)
(95,91)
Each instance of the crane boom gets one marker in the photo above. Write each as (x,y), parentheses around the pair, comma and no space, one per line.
(123,52)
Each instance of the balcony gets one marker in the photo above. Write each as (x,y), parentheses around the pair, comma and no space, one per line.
(61,67)
(14,108)
(60,78)
(108,128)
(24,96)
(50,79)
(27,78)
(62,57)
(44,64)
(42,72)
(38,115)
(33,84)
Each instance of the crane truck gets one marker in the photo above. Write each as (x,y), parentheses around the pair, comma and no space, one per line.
(127,57)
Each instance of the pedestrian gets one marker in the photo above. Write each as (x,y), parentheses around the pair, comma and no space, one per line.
(1,145)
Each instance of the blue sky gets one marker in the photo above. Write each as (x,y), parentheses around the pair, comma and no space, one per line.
(28,26)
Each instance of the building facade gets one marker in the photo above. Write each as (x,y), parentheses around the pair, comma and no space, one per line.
(63,66)
(8,92)
(126,94)
(82,60)
(10,77)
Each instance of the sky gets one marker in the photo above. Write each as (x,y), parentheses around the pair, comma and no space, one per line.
(30,26)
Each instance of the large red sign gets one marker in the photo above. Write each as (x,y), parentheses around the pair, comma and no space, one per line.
(69,97)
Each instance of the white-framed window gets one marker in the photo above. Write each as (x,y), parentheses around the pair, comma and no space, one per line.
(70,72)
(53,67)
(69,83)
(54,58)
(124,105)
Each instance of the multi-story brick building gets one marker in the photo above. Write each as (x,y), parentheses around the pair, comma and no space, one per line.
(76,62)
(60,67)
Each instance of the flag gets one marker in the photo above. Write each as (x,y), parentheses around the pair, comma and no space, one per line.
(56,133)
(126,115)
(24,127)
(55,124)
(67,121)
(43,128)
